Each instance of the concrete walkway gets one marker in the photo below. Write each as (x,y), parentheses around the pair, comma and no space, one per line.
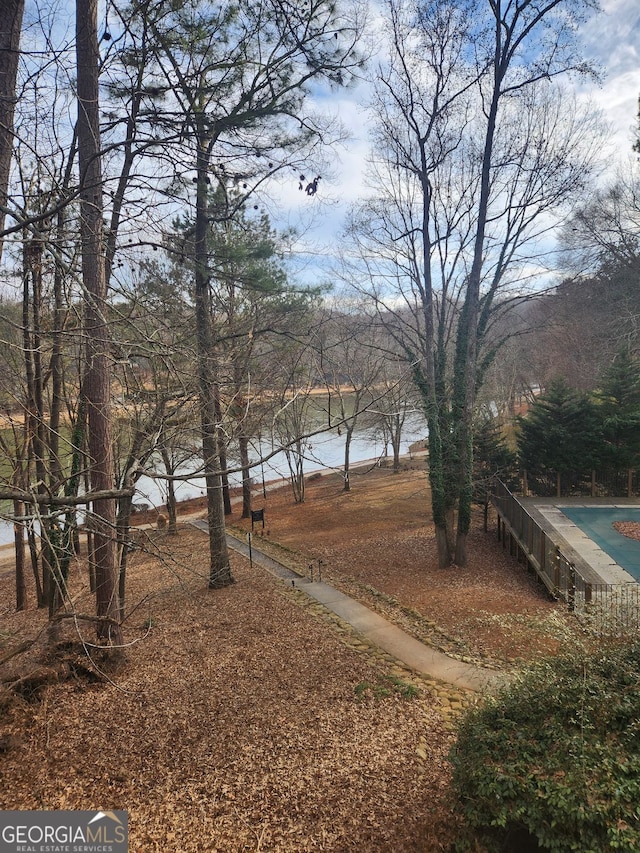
(387,636)
(373,627)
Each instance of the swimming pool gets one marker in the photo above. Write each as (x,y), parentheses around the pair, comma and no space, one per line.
(597,523)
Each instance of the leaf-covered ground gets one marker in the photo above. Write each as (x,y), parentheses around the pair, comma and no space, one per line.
(376,542)
(246,719)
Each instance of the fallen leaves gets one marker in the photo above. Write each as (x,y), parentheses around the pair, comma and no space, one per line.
(234,726)
(630,529)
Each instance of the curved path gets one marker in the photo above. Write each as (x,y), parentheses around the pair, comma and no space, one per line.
(373,627)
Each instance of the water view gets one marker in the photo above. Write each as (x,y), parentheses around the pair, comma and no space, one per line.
(322,452)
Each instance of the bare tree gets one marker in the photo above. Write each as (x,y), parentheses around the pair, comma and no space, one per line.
(395,405)
(476,152)
(293,421)
(350,369)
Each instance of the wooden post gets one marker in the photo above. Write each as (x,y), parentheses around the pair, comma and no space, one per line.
(556,569)
(588,593)
(571,591)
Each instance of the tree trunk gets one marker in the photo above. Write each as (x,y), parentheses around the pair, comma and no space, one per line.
(122,525)
(295,461)
(72,535)
(226,492)
(18,538)
(347,458)
(34,405)
(219,568)
(396,438)
(97,384)
(466,360)
(172,504)
(425,374)
(35,566)
(436,461)
(222,453)
(243,443)
(53,584)
(91,558)
(11,12)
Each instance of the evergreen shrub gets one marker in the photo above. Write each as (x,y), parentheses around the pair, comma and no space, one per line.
(554,757)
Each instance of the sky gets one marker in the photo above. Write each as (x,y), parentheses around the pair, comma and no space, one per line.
(611,39)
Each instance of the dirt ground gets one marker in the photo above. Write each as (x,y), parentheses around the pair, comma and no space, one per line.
(247,719)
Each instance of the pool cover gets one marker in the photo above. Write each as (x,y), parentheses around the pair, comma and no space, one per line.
(597,523)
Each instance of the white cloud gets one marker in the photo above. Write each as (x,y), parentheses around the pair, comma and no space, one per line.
(612,39)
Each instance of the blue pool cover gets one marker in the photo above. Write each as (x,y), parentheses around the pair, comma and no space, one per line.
(597,523)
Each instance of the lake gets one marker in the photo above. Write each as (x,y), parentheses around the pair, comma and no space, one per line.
(323,452)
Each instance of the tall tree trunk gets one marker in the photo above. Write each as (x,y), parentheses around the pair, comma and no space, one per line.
(53,585)
(34,414)
(222,454)
(466,361)
(123,523)
(97,385)
(347,458)
(18,539)
(219,567)
(425,374)
(11,12)
(243,444)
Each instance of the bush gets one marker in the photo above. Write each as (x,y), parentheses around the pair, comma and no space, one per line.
(555,756)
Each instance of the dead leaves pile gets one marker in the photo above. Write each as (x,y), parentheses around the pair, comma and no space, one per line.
(630,529)
(233,726)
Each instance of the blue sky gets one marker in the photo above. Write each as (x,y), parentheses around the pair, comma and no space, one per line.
(611,39)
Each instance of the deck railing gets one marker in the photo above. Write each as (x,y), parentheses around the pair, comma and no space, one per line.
(614,609)
(606,608)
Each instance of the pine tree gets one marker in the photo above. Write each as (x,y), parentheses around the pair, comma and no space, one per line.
(619,412)
(559,437)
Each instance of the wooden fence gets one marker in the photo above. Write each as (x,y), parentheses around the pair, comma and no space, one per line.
(586,483)
(606,608)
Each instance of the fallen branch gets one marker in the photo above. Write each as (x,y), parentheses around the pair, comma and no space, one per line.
(85,617)
(29,686)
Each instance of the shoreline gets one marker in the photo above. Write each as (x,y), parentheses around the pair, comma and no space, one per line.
(196,505)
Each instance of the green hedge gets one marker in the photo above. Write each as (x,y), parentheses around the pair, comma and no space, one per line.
(556,755)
